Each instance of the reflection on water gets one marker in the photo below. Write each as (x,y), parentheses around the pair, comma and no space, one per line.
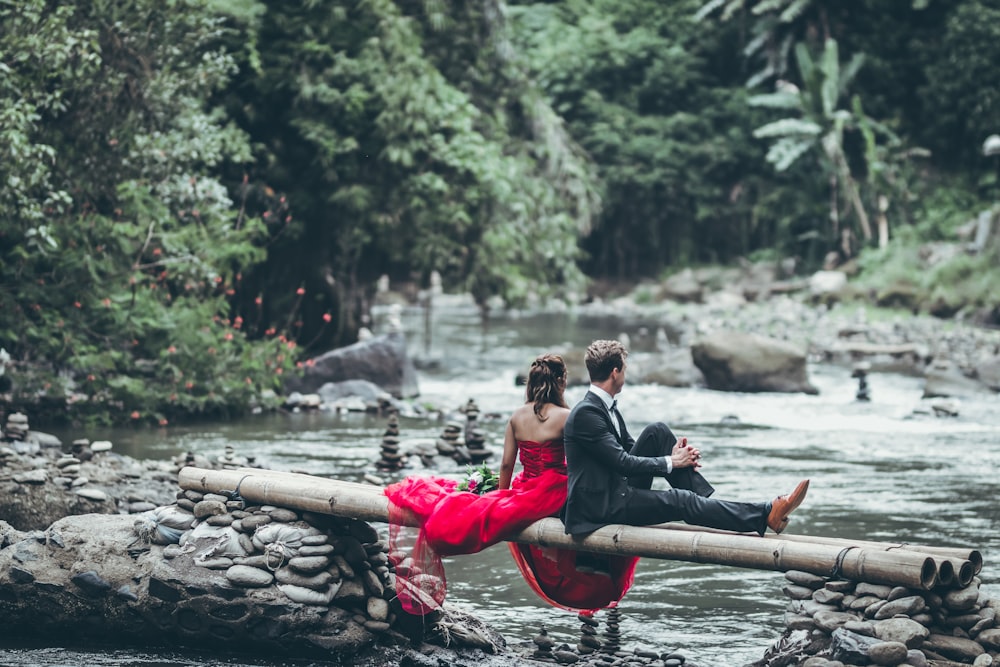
(878,472)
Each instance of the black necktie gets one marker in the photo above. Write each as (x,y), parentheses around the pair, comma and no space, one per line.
(616,417)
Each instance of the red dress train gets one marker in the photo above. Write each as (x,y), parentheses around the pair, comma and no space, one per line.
(455,522)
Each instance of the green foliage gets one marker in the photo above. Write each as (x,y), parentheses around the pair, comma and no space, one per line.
(961,96)
(397,156)
(119,247)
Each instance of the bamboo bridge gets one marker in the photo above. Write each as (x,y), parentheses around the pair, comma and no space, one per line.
(917,567)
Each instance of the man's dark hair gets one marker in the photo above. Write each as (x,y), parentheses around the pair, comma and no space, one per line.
(603,356)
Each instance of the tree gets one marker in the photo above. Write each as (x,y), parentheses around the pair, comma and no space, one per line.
(118,242)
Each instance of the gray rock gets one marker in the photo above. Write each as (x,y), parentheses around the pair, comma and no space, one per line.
(807,579)
(738,361)
(38,476)
(378,609)
(962,599)
(797,592)
(831,620)
(206,508)
(91,583)
(954,648)
(249,577)
(308,564)
(906,606)
(887,653)
(382,360)
(990,639)
(878,590)
(903,630)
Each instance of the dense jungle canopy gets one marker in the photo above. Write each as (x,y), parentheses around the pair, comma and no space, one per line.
(196,195)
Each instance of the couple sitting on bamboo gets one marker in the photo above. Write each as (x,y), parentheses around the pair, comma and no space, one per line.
(583,466)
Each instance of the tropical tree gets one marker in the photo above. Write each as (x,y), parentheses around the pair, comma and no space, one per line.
(118,245)
(392,152)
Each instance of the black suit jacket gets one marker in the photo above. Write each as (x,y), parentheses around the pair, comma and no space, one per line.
(598,464)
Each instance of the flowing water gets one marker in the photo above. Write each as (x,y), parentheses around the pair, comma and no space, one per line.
(885,470)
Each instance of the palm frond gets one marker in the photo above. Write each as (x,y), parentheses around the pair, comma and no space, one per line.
(794,10)
(784,152)
(708,8)
(766,6)
(783,100)
(831,76)
(788,127)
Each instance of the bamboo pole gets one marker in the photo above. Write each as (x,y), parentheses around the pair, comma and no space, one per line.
(346,499)
(965,562)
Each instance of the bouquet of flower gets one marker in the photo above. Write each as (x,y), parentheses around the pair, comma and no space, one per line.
(480,480)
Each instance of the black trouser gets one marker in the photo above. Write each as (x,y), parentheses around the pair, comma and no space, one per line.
(688,499)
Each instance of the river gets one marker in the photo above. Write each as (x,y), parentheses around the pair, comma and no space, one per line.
(886,470)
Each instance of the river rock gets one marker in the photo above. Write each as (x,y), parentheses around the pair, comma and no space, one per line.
(990,639)
(904,630)
(38,476)
(738,361)
(807,579)
(308,564)
(307,595)
(96,495)
(283,515)
(378,609)
(832,620)
(962,599)
(381,359)
(887,653)
(906,606)
(206,508)
(849,647)
(880,591)
(953,648)
(249,577)
(318,582)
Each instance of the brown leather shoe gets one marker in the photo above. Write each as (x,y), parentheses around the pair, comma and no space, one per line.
(777,519)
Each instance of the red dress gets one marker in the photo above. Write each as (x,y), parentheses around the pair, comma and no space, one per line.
(458,522)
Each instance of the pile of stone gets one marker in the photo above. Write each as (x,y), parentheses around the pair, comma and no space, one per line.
(390,457)
(311,559)
(475,438)
(16,429)
(451,444)
(832,622)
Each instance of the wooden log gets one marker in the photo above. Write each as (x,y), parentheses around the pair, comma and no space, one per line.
(345,499)
(965,562)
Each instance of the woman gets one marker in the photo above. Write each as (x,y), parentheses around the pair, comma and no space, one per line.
(456,522)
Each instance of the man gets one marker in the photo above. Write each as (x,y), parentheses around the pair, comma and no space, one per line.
(610,474)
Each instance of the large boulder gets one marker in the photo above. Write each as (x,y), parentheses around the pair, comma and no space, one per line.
(672,368)
(944,379)
(382,360)
(737,361)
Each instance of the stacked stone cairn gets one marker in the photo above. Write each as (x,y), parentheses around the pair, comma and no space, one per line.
(450,443)
(228,460)
(832,622)
(391,459)
(475,439)
(16,429)
(589,641)
(543,645)
(612,631)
